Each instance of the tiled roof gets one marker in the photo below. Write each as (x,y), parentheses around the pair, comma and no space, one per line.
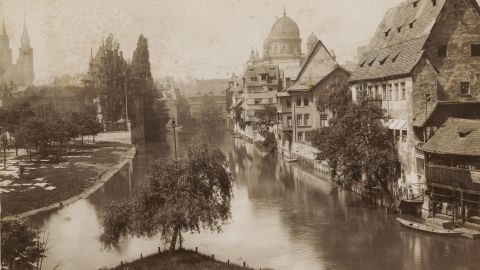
(397,45)
(320,64)
(448,138)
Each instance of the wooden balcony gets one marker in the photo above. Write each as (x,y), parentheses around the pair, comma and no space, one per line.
(451,176)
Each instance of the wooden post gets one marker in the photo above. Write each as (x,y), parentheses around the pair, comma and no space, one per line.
(244,264)
(196,249)
(159,250)
(228,262)
(213,256)
(141,256)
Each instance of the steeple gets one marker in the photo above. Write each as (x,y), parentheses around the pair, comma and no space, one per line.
(284,12)
(25,39)
(4,30)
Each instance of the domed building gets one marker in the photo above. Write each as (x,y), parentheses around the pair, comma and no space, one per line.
(283,47)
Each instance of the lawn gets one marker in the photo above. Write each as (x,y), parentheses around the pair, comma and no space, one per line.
(45,182)
(178,260)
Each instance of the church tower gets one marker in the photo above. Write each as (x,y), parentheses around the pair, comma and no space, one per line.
(25,59)
(5,51)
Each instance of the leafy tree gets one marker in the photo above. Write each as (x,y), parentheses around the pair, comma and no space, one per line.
(111,81)
(210,116)
(267,114)
(179,196)
(155,111)
(359,150)
(21,246)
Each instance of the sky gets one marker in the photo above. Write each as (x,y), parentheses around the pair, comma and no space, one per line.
(187,38)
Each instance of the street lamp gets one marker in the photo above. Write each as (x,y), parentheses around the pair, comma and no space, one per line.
(174,137)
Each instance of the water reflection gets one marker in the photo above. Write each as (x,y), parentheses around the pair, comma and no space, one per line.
(283,216)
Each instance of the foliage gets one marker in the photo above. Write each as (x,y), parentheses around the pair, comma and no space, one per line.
(210,116)
(178,196)
(21,246)
(336,97)
(155,111)
(270,143)
(112,81)
(267,114)
(358,149)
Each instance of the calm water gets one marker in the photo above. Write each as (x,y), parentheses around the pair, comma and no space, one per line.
(284,217)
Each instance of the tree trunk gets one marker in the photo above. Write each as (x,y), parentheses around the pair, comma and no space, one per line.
(16,150)
(82,139)
(174,239)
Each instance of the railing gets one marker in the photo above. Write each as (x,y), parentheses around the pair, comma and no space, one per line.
(450,176)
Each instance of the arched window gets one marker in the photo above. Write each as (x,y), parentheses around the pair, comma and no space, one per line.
(283,48)
(276,49)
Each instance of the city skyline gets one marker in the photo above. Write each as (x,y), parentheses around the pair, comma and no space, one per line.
(64,32)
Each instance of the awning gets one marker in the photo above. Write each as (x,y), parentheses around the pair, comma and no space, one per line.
(397,124)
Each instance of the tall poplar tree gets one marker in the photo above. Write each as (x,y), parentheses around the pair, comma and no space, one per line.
(155,111)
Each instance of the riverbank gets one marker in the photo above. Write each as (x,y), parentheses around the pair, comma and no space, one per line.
(178,260)
(46,185)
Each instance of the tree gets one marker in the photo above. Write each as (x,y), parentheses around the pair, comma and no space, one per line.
(356,145)
(267,114)
(179,196)
(155,111)
(21,247)
(111,81)
(359,150)
(210,116)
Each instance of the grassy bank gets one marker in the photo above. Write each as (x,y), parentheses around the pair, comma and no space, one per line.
(45,181)
(178,260)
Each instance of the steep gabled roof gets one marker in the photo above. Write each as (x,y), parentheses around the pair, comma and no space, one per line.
(320,63)
(456,137)
(397,45)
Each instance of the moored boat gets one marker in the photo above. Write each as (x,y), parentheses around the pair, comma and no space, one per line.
(428,228)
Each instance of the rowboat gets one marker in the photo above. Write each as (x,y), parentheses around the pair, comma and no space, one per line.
(287,159)
(428,228)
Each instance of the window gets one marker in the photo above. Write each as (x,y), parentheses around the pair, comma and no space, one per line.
(299,102)
(465,88)
(306,120)
(420,166)
(399,29)
(442,51)
(387,32)
(389,93)
(396,92)
(411,24)
(384,88)
(434,2)
(404,135)
(253,79)
(263,77)
(308,136)
(289,121)
(257,101)
(475,49)
(404,91)
(415,4)
(379,94)
(299,120)
(305,101)
(270,101)
(397,135)
(289,103)
(270,89)
(300,136)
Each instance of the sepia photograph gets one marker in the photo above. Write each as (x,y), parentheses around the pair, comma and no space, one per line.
(240,134)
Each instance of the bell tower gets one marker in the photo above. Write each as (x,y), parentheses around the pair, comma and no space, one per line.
(25,59)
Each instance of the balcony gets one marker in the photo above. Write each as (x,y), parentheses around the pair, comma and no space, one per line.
(451,176)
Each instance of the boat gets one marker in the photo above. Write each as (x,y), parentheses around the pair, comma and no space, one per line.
(428,228)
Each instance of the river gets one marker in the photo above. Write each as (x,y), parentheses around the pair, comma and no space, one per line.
(284,216)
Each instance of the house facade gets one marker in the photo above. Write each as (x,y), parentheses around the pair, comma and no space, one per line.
(423,52)
(298,109)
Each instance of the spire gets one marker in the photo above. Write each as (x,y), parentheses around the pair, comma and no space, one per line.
(284,12)
(4,29)
(25,39)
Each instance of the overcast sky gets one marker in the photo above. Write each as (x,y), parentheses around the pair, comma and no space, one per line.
(187,38)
